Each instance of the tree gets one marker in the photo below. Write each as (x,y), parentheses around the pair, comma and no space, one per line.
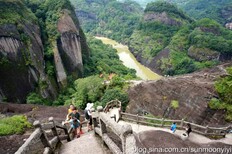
(224,89)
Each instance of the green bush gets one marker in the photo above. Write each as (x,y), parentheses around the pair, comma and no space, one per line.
(89,89)
(34,98)
(116,93)
(13,125)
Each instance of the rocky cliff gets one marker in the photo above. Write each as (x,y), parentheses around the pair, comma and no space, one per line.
(21,54)
(23,66)
(161,17)
(69,44)
(192,91)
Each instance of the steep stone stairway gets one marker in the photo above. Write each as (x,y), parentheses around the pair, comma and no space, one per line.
(88,143)
(119,136)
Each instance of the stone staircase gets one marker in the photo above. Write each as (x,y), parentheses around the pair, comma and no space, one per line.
(88,143)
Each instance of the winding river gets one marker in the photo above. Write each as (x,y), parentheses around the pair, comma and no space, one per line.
(130,61)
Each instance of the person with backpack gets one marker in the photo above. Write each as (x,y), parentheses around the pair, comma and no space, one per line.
(88,116)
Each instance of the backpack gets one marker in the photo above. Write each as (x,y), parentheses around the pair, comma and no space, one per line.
(86,114)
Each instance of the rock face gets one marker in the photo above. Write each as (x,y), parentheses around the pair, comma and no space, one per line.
(163,18)
(22,64)
(203,54)
(193,92)
(70,45)
(229,25)
(154,65)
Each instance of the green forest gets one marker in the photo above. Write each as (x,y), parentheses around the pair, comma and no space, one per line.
(193,45)
(219,10)
(192,32)
(102,61)
(109,18)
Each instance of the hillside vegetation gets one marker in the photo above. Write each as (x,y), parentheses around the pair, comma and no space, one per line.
(213,9)
(110,18)
(219,10)
(103,61)
(191,45)
(224,87)
(14,11)
(100,62)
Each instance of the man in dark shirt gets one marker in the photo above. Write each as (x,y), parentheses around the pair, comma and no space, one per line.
(75,122)
(74,114)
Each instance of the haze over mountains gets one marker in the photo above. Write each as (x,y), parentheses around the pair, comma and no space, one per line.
(219,10)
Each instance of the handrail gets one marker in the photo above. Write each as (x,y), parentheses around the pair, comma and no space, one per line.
(102,122)
(204,130)
(39,135)
(111,104)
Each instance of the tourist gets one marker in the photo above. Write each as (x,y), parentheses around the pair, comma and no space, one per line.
(71,107)
(173,127)
(188,129)
(74,120)
(75,125)
(88,116)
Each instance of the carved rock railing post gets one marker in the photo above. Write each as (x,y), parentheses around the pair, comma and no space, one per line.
(207,129)
(182,123)
(137,118)
(162,122)
(67,133)
(124,132)
(54,130)
(39,136)
(43,138)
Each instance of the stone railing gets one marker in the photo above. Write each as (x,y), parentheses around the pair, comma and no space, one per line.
(113,109)
(118,138)
(203,130)
(40,135)
(113,104)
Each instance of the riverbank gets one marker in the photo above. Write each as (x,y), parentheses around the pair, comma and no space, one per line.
(129,60)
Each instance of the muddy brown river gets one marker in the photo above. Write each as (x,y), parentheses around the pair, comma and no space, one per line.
(130,61)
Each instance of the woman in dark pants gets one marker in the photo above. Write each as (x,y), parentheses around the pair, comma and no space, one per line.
(188,129)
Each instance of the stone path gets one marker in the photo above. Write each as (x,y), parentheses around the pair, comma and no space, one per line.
(86,144)
(196,138)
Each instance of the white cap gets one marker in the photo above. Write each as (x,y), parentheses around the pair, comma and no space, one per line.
(89,106)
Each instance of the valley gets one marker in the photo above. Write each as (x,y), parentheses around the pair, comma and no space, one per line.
(129,60)
(54,53)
